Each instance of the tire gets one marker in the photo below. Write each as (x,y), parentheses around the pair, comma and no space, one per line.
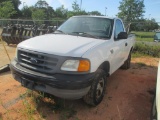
(97,90)
(127,63)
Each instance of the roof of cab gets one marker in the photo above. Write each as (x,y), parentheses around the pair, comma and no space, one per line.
(96,16)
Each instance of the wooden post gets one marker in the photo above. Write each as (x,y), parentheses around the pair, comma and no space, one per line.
(5,48)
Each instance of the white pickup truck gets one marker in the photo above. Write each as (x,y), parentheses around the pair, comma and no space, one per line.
(74,61)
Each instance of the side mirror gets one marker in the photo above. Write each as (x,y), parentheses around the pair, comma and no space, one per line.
(122,35)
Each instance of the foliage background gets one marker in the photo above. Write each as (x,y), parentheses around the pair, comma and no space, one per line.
(131,11)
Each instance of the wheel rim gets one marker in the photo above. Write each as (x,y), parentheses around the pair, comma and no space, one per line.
(100,87)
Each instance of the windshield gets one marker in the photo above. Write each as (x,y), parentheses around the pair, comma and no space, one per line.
(157,36)
(88,27)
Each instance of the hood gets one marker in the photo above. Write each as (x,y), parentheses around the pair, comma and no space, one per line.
(60,44)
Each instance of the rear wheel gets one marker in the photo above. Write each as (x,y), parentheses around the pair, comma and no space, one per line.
(127,63)
(97,90)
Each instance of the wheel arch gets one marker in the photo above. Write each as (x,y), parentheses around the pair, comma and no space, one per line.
(131,49)
(106,67)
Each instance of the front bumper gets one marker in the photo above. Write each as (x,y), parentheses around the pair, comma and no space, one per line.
(68,86)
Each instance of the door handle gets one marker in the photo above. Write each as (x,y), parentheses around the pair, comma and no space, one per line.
(112,51)
(126,44)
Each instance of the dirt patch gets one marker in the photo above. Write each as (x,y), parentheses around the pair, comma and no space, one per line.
(128,96)
(3,56)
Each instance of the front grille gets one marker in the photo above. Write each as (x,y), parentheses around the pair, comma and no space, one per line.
(37,61)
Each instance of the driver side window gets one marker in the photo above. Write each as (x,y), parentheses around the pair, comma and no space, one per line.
(118,28)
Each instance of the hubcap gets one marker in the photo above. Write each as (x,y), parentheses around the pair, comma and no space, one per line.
(100,88)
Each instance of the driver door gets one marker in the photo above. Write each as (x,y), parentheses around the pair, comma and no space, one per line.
(119,46)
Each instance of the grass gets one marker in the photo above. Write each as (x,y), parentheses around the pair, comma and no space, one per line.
(145,39)
(138,55)
(147,34)
(144,49)
(144,36)
(29,109)
(36,105)
(39,101)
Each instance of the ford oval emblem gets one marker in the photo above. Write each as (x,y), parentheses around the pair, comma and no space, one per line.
(33,60)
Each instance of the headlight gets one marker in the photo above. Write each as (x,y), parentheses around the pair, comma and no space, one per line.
(76,65)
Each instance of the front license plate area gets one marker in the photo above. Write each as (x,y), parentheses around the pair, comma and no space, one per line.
(27,83)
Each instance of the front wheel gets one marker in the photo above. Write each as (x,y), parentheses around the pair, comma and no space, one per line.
(97,90)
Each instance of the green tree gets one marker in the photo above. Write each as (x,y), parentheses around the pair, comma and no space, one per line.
(150,25)
(41,4)
(75,6)
(27,12)
(16,4)
(131,10)
(61,12)
(76,10)
(71,13)
(38,14)
(144,25)
(7,9)
(94,13)
(50,13)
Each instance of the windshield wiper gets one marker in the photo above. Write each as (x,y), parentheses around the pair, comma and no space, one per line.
(84,33)
(59,31)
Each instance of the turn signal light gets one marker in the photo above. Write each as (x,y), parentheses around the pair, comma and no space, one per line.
(84,66)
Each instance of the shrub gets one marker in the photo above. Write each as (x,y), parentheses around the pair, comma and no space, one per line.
(147,49)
